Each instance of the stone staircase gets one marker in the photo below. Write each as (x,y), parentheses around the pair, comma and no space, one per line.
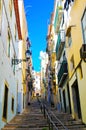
(33,119)
(30,119)
(69,122)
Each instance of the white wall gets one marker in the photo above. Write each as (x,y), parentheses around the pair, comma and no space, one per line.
(19,79)
(6,68)
(6,74)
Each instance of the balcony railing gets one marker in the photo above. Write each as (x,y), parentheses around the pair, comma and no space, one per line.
(28,53)
(60,44)
(58,17)
(83,51)
(62,74)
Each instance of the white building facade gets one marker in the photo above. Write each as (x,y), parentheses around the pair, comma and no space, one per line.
(9,37)
(21,67)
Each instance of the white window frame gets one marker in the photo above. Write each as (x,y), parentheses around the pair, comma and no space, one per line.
(83,23)
(1,6)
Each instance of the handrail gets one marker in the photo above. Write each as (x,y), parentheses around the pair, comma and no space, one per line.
(49,118)
(51,122)
(59,121)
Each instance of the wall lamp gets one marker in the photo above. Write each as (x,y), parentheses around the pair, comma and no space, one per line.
(69,29)
(16,61)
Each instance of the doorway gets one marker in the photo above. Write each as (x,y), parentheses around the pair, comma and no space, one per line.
(64,100)
(69,98)
(5,102)
(76,100)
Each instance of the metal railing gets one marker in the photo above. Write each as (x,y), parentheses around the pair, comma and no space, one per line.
(49,115)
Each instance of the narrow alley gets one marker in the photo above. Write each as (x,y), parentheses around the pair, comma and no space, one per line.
(42,64)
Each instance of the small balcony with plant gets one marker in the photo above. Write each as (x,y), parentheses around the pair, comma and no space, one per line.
(63,72)
(58,17)
(60,44)
(83,52)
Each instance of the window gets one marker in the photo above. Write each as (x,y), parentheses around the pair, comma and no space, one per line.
(83,22)
(10,7)
(23,100)
(12,105)
(72,63)
(63,20)
(80,72)
(15,32)
(0,14)
(69,39)
(64,56)
(8,47)
(5,102)
(0,6)
(14,66)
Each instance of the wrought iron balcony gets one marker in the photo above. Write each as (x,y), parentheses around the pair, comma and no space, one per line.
(28,69)
(60,44)
(62,74)
(28,53)
(83,51)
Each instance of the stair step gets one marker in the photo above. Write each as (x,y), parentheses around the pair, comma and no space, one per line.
(28,124)
(33,119)
(26,128)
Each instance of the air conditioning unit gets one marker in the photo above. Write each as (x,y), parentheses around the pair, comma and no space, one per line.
(83,51)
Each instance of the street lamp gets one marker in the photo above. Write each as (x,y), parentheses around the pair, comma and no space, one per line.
(28,53)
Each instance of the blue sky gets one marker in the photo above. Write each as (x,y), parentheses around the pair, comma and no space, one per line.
(38,14)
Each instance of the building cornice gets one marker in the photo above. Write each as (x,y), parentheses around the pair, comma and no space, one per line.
(17,18)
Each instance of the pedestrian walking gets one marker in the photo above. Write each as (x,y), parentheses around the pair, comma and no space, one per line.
(29,89)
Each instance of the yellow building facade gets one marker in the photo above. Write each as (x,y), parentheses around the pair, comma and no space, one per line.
(23,46)
(24,37)
(75,40)
(54,85)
